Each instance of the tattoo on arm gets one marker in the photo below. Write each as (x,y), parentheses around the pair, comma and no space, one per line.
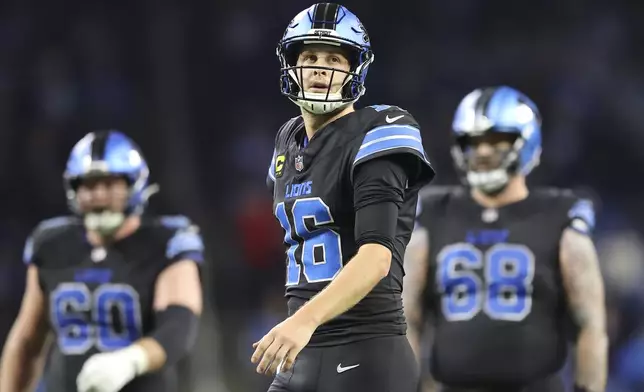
(585,292)
(582,280)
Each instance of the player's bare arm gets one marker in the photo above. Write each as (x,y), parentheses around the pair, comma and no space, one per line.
(416,264)
(178,305)
(352,284)
(24,352)
(585,291)
(179,288)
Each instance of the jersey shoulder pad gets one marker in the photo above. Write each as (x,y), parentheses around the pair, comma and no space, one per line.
(579,207)
(185,241)
(390,114)
(282,139)
(175,222)
(386,108)
(392,130)
(46,231)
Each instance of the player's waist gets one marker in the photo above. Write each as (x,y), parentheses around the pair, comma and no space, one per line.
(358,323)
(336,334)
(470,353)
(372,308)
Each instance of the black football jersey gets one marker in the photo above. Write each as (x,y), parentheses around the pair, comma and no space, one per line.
(313,201)
(101,298)
(495,287)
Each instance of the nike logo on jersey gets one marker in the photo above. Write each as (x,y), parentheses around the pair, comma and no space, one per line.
(341,369)
(393,119)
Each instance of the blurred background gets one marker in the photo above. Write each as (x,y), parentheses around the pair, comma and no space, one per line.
(195,83)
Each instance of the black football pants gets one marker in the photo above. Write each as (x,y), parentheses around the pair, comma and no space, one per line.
(385,364)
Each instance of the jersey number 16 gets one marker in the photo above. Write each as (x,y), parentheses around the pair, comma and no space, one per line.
(326,240)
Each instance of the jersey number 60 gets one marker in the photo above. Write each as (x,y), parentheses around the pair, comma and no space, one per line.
(84,319)
(326,240)
(506,293)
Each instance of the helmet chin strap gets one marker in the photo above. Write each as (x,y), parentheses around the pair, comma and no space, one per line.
(106,223)
(317,107)
(493,182)
(490,182)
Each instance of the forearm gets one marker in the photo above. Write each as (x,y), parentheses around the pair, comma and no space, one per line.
(22,364)
(585,291)
(592,351)
(352,284)
(19,373)
(174,337)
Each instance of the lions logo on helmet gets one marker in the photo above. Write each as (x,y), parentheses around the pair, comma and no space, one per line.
(331,24)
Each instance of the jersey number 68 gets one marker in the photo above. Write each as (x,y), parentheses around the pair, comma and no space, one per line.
(505,293)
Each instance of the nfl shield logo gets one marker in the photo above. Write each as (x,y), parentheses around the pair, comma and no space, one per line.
(490,215)
(299,163)
(98,254)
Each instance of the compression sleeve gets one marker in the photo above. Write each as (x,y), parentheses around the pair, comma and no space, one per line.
(378,191)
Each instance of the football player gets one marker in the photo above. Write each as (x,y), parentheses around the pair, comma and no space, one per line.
(345,185)
(120,292)
(501,266)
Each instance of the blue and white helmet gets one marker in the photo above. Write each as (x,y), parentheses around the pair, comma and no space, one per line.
(108,153)
(330,24)
(503,110)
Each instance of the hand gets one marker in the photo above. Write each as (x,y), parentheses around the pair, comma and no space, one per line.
(281,345)
(110,372)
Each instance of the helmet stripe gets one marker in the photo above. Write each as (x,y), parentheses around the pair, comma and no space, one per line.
(325,16)
(98,145)
(318,16)
(330,16)
(483,102)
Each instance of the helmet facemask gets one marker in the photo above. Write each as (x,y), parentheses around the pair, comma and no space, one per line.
(491,172)
(102,200)
(118,203)
(350,90)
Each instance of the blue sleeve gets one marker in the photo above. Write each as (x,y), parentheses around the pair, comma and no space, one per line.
(186,242)
(582,216)
(396,139)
